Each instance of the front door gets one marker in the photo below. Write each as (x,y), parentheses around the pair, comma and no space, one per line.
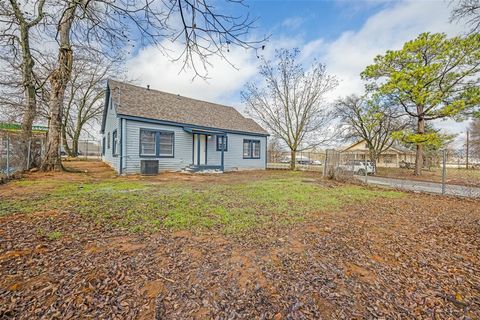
(199,149)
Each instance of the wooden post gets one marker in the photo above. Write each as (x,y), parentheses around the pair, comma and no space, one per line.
(8,157)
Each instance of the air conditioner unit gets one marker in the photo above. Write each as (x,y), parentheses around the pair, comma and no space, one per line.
(149,167)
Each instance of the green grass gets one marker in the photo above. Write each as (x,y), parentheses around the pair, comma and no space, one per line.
(144,206)
(54,235)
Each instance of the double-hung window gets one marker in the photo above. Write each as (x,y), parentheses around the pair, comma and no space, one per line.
(103,146)
(251,149)
(155,143)
(222,143)
(148,145)
(114,143)
(108,140)
(166,143)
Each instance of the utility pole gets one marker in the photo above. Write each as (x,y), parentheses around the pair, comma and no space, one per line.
(468,146)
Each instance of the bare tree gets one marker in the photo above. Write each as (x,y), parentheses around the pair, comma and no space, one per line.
(16,34)
(107,25)
(83,99)
(467,11)
(274,149)
(373,121)
(290,102)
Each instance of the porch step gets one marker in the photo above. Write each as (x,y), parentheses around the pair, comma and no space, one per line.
(203,168)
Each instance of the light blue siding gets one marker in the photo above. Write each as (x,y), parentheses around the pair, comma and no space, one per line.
(234,156)
(111,124)
(182,147)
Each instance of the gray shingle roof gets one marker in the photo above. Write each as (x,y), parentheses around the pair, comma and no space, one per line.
(148,103)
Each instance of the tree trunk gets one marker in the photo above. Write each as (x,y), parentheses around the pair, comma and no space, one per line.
(66,147)
(27,123)
(419,154)
(293,159)
(58,81)
(374,158)
(30,93)
(75,139)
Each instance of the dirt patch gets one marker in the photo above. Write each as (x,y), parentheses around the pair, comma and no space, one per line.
(246,272)
(153,288)
(14,254)
(124,244)
(353,270)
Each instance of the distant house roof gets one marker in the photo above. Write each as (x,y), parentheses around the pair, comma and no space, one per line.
(141,102)
(395,147)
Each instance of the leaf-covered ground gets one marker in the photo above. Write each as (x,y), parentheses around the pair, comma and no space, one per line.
(255,245)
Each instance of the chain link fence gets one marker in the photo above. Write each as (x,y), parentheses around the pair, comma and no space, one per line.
(13,159)
(308,161)
(87,149)
(12,154)
(443,172)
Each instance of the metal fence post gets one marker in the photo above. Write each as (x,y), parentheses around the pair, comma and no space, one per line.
(8,157)
(325,164)
(28,153)
(444,169)
(366,170)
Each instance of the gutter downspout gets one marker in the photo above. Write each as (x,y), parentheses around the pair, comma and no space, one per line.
(224,139)
(121,147)
(266,152)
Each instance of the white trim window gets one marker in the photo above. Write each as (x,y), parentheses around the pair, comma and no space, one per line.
(166,144)
(114,143)
(148,146)
(251,149)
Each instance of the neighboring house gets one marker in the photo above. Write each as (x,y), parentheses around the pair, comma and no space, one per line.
(391,157)
(149,131)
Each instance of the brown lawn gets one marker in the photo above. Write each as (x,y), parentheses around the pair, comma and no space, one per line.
(249,245)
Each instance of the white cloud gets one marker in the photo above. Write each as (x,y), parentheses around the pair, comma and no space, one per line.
(346,57)
(224,82)
(293,22)
(388,29)
(151,67)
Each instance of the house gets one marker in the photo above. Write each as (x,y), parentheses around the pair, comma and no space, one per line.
(148,131)
(391,157)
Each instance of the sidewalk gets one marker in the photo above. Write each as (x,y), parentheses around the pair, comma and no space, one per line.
(422,186)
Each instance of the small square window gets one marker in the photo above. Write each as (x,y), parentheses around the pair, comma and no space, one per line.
(222,143)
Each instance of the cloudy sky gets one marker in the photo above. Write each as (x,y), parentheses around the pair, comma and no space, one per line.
(344,35)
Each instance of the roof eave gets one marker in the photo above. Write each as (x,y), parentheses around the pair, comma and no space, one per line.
(180,124)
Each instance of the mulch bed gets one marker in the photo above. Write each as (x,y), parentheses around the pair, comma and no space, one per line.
(415,257)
